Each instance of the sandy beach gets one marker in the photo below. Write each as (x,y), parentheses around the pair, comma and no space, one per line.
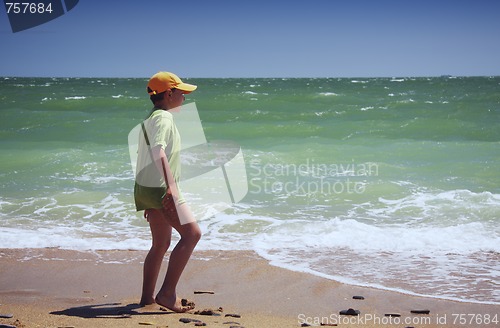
(61,288)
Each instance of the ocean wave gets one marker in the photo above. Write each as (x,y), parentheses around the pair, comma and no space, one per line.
(453,206)
(71,238)
(362,237)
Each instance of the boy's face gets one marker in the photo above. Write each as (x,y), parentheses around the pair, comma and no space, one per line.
(176,97)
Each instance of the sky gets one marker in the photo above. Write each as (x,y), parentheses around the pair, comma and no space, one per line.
(241,38)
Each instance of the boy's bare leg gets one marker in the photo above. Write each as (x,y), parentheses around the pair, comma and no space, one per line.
(190,235)
(161,232)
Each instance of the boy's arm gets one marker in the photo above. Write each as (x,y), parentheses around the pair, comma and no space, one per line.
(162,164)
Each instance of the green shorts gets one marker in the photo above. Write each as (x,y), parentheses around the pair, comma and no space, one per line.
(148,197)
(151,197)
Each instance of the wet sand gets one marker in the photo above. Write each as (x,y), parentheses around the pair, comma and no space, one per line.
(61,288)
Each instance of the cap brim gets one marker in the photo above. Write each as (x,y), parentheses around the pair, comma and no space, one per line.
(186,87)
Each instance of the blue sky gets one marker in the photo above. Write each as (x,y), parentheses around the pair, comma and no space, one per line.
(230,38)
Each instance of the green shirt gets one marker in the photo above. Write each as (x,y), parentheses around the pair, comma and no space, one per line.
(150,186)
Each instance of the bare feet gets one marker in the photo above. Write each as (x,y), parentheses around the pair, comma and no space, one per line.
(148,301)
(174,303)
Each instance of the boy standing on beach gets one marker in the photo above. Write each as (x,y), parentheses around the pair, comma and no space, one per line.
(158,193)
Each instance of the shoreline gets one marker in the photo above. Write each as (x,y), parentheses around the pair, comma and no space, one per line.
(63,288)
(389,289)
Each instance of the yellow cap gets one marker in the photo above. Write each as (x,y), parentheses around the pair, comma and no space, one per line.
(163,81)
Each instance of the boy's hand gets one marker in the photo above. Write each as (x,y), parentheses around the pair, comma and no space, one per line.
(169,201)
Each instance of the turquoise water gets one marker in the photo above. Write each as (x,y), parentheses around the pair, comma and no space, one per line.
(344,175)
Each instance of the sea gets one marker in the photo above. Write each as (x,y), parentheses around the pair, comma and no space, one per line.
(391,183)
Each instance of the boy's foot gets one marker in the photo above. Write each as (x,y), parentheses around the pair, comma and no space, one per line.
(145,302)
(175,304)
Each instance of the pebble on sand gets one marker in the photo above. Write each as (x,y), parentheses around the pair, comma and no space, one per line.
(207,312)
(186,302)
(420,311)
(349,312)
(234,315)
(189,320)
(392,315)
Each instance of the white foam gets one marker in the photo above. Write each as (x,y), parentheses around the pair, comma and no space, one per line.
(68,238)
(75,98)
(361,237)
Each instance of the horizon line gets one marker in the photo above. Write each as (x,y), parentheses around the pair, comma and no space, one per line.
(257,77)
